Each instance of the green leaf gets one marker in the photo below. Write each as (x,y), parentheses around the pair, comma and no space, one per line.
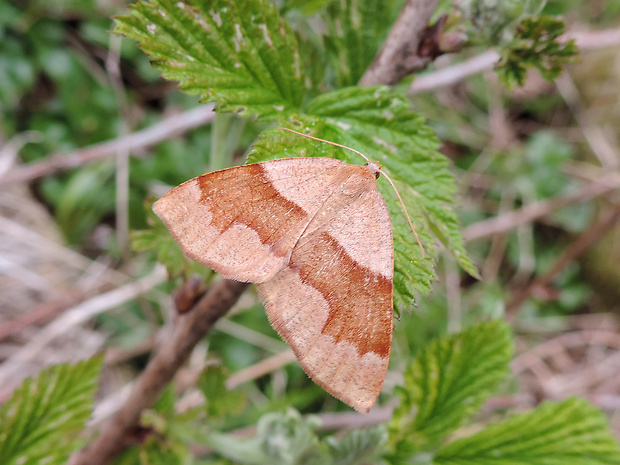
(282,438)
(535,45)
(534,7)
(570,432)
(41,421)
(357,446)
(219,400)
(130,456)
(17,64)
(487,22)
(380,124)
(237,53)
(307,7)
(356,31)
(86,198)
(156,451)
(449,380)
(165,404)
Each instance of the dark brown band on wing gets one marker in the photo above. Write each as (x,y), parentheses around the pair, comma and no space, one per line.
(264,210)
(360,301)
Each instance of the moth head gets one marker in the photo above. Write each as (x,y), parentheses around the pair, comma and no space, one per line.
(374,167)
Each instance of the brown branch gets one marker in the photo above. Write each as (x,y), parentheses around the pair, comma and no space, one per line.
(399,55)
(116,435)
(159,132)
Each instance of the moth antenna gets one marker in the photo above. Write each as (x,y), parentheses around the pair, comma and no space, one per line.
(400,199)
(328,142)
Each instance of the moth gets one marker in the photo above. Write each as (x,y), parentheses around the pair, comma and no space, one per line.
(314,235)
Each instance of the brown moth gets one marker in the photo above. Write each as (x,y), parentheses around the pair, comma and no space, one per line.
(315,235)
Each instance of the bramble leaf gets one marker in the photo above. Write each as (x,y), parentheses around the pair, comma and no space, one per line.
(449,380)
(238,53)
(356,32)
(282,438)
(570,432)
(41,421)
(357,446)
(535,45)
(219,400)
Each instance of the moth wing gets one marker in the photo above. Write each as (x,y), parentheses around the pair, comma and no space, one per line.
(333,302)
(243,222)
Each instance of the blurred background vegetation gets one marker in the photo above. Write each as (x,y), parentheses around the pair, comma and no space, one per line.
(66,84)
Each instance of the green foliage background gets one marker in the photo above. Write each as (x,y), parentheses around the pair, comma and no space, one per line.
(264,67)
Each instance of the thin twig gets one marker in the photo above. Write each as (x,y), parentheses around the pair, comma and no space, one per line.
(75,316)
(569,340)
(9,151)
(113,68)
(584,241)
(170,127)
(507,221)
(47,311)
(554,365)
(602,148)
(261,368)
(251,336)
(116,434)
(455,73)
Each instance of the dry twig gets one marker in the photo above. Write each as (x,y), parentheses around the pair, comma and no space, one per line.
(73,317)
(510,220)
(584,241)
(139,140)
